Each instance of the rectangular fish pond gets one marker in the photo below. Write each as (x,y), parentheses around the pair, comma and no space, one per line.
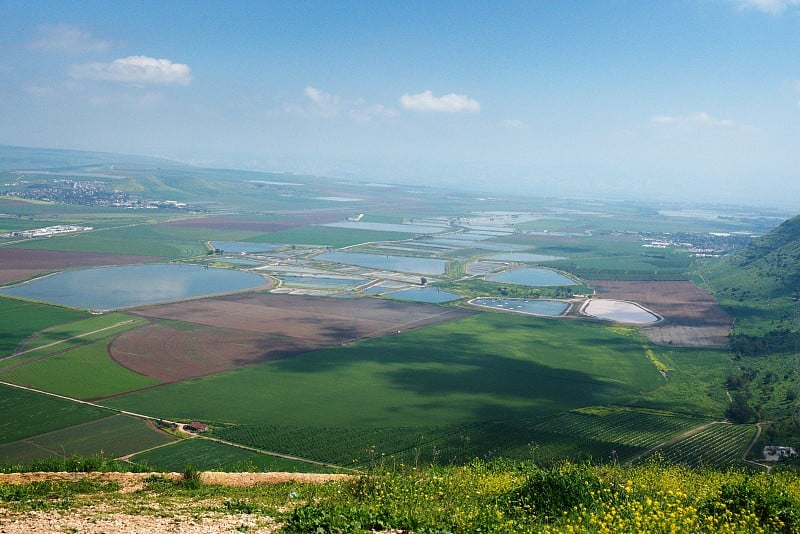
(544,307)
(532,277)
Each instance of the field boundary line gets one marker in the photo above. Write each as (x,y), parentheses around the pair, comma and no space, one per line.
(273,453)
(79,336)
(151,418)
(127,457)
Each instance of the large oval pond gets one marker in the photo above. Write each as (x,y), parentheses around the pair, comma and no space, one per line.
(619,311)
(549,308)
(108,288)
(532,277)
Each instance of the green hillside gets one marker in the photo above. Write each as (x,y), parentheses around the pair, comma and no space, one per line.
(760,287)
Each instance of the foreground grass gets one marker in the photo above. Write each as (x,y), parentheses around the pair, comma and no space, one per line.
(480,497)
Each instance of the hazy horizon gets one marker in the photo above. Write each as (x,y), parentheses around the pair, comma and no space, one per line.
(682,100)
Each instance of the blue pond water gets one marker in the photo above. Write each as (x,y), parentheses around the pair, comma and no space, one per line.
(404,264)
(235,247)
(107,288)
(532,277)
(523,257)
(550,308)
(424,294)
(319,281)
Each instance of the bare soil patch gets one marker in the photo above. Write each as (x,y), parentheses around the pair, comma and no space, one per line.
(20,263)
(692,317)
(170,354)
(115,516)
(237,330)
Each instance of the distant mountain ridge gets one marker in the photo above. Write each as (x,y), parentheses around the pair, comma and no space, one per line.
(31,158)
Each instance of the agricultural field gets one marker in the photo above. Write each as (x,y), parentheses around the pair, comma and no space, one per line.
(718,445)
(209,455)
(146,239)
(25,413)
(692,316)
(22,319)
(599,433)
(461,385)
(361,379)
(85,371)
(114,436)
(74,333)
(262,224)
(329,237)
(197,338)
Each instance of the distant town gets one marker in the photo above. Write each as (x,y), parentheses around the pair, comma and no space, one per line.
(84,193)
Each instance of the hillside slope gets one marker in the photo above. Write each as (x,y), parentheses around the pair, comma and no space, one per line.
(760,287)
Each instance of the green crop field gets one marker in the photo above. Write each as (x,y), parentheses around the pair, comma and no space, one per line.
(112,436)
(69,335)
(26,413)
(719,444)
(480,384)
(84,372)
(329,236)
(143,239)
(22,319)
(596,432)
(213,456)
(485,367)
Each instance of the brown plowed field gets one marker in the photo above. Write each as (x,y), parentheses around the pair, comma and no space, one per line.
(20,263)
(171,354)
(238,330)
(692,317)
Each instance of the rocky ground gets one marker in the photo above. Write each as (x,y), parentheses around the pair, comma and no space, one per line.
(124,516)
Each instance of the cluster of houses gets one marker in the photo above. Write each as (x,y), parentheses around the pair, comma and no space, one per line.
(776,453)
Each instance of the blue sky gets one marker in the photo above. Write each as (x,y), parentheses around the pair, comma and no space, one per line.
(685,99)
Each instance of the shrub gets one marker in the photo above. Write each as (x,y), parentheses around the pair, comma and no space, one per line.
(772,505)
(549,493)
(191,477)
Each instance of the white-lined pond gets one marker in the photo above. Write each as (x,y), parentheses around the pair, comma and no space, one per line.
(619,311)
(545,307)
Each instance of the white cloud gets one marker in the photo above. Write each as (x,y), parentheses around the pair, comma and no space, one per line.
(773,7)
(318,97)
(696,119)
(512,124)
(135,70)
(449,103)
(66,39)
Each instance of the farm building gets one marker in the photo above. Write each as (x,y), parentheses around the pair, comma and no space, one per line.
(195,426)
